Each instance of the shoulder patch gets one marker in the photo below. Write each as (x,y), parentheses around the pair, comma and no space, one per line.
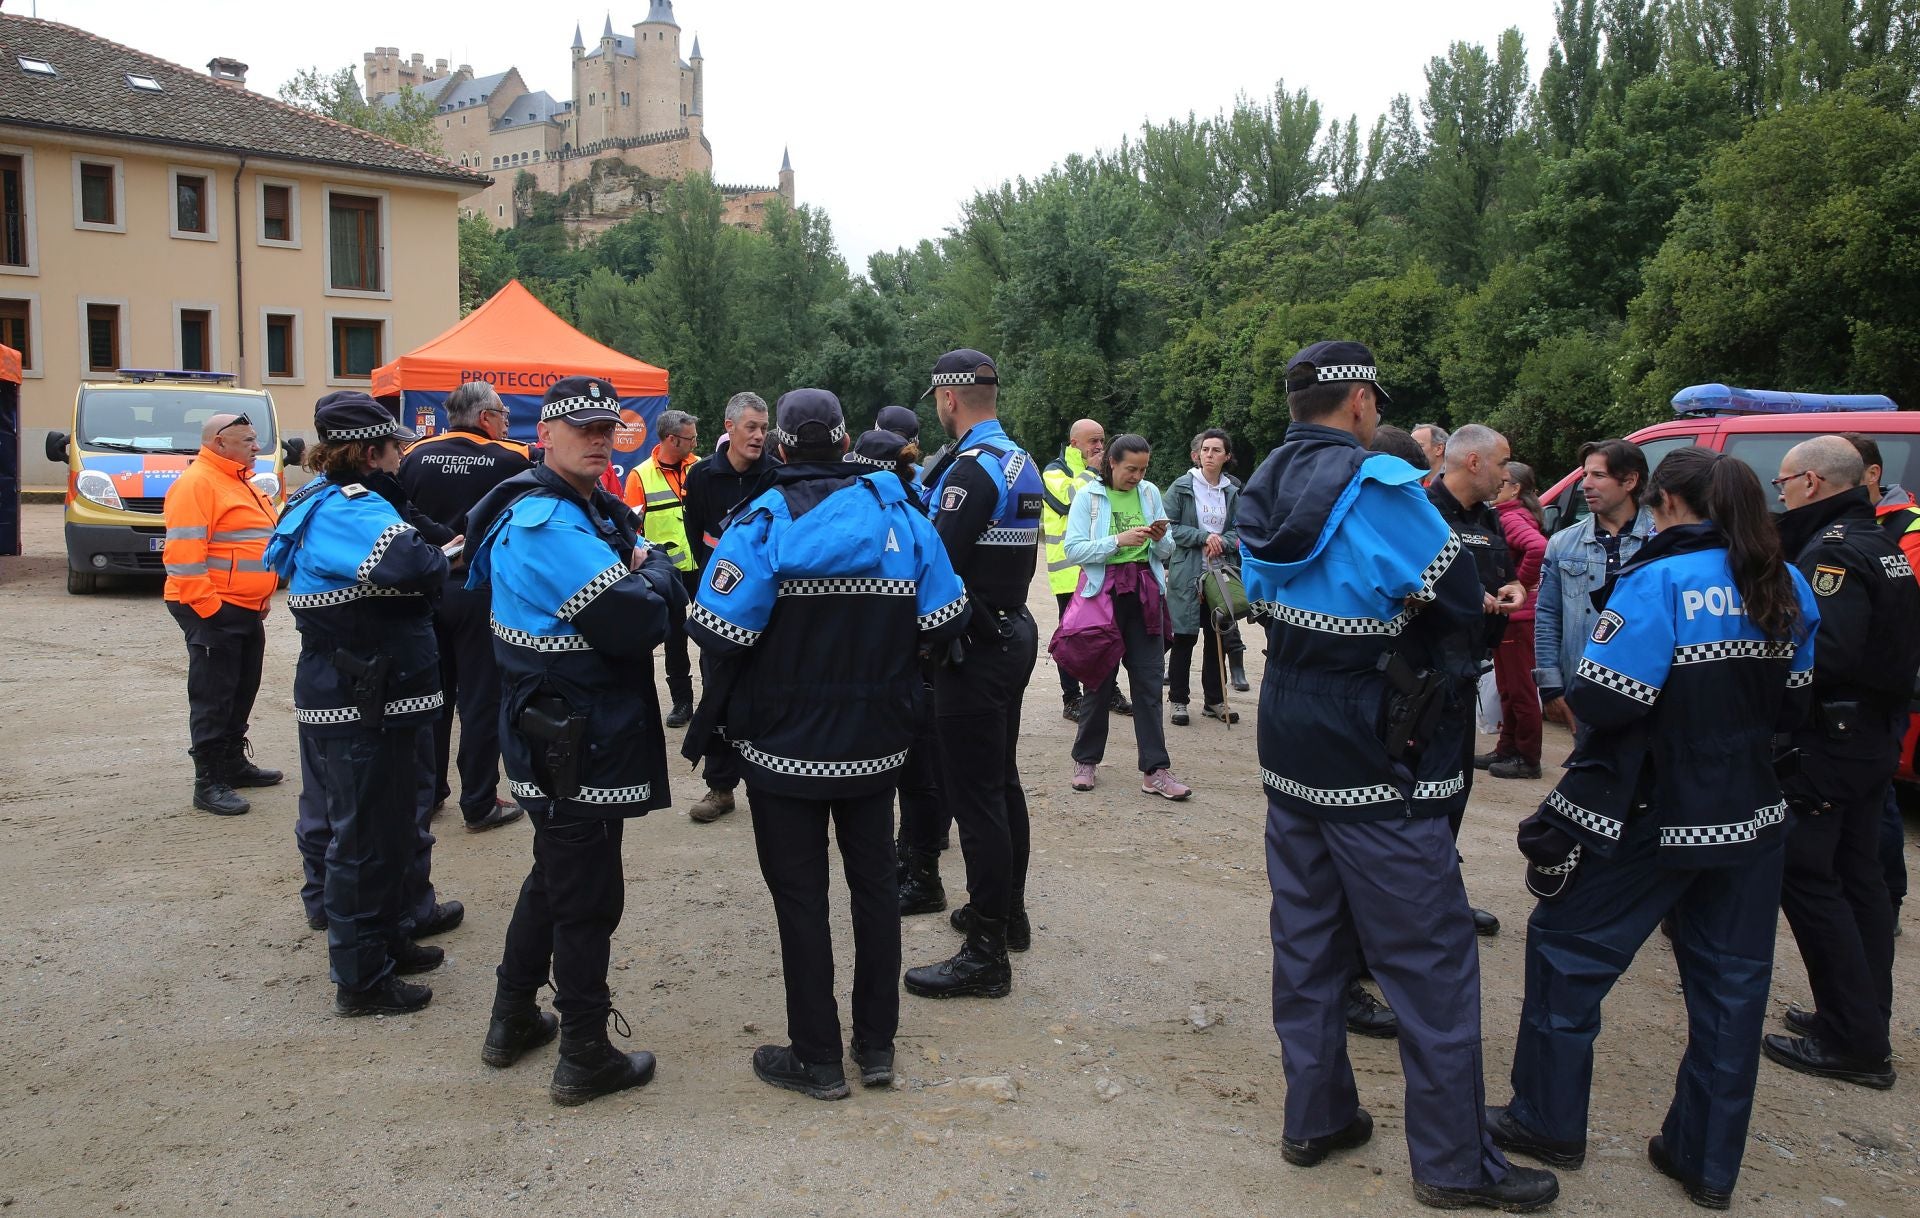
(952,497)
(1608,626)
(1837,533)
(725,577)
(353,490)
(1897,566)
(1827,580)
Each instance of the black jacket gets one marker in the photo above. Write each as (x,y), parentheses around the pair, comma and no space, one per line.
(714,491)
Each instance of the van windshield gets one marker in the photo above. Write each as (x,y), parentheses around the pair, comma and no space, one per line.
(164,418)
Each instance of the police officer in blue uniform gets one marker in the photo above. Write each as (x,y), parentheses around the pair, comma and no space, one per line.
(1670,805)
(815,604)
(1373,613)
(985,495)
(360,585)
(579,603)
(1835,893)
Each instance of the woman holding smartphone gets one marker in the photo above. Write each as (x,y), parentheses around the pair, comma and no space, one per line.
(1117,536)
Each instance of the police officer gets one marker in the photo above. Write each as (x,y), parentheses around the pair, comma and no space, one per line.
(1670,805)
(446,474)
(1373,616)
(985,495)
(1476,462)
(717,486)
(360,586)
(658,490)
(1077,465)
(831,579)
(924,817)
(579,604)
(218,590)
(1868,649)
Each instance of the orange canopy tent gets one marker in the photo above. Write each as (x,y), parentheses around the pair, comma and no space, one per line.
(520,347)
(9,450)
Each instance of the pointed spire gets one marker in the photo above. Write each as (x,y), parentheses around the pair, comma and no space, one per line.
(786,161)
(579,43)
(696,47)
(608,32)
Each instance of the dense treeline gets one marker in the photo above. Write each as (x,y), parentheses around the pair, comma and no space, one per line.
(1691,190)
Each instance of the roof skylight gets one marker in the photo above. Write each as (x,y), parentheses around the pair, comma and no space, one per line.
(143,82)
(39,67)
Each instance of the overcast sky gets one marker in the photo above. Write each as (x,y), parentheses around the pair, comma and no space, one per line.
(895,111)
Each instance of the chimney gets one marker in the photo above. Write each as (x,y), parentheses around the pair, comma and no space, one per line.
(439,67)
(230,70)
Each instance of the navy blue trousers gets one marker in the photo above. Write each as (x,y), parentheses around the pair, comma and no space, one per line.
(1392,888)
(470,676)
(313,834)
(1577,947)
(363,787)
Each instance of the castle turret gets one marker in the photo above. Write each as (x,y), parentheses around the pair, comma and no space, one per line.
(658,95)
(697,108)
(786,176)
(579,43)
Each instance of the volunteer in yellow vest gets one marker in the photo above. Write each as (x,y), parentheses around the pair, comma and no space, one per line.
(658,492)
(1077,465)
(218,524)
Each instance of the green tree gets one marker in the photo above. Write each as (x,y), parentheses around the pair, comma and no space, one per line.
(485,262)
(689,303)
(408,118)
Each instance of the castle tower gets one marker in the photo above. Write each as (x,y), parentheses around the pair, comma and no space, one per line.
(786,176)
(657,97)
(579,44)
(696,119)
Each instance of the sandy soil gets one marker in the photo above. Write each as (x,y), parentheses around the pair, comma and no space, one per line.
(170,1050)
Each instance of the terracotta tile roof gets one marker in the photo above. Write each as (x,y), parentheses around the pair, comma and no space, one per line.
(91,95)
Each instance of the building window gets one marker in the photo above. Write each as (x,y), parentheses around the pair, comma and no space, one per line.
(103,337)
(282,345)
(356,347)
(16,328)
(196,340)
(354,252)
(276,212)
(500,210)
(16,245)
(96,193)
(190,203)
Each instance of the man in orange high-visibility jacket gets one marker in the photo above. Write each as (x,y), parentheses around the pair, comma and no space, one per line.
(218,586)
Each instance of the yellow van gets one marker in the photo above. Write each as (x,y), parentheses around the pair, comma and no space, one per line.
(131,438)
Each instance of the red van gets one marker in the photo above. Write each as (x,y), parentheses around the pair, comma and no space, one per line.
(1759,426)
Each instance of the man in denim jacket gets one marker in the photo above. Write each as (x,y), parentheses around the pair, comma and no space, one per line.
(1583,559)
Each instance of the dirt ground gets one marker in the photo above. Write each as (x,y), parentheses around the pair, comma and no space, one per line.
(170,1048)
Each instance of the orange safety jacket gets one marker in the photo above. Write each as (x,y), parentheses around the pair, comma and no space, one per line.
(218,525)
(1903,521)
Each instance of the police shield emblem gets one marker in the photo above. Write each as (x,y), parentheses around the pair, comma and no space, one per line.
(952,497)
(725,577)
(593,390)
(1608,626)
(1827,580)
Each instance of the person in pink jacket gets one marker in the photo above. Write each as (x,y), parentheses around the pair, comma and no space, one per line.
(1517,755)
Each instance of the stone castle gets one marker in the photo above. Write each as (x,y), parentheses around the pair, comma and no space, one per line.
(635,119)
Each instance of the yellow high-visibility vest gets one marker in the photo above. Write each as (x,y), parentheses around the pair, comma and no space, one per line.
(663,514)
(1062,479)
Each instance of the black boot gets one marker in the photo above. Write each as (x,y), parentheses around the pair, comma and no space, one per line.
(1237,670)
(211,791)
(518,1026)
(921,891)
(410,958)
(388,996)
(979,968)
(590,1067)
(241,772)
(1019,927)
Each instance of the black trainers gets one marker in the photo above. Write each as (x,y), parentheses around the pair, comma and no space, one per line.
(517,1027)
(1523,1190)
(1482,761)
(876,1065)
(1368,1016)
(1070,709)
(680,715)
(1699,1194)
(1514,1138)
(443,917)
(590,1067)
(388,996)
(410,957)
(1514,767)
(1306,1152)
(1807,1055)
(776,1066)
(1019,927)
(1120,704)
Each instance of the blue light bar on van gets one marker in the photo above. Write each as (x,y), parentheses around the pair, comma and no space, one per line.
(1725,399)
(172,374)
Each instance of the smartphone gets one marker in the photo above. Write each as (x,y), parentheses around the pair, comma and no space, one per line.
(454,548)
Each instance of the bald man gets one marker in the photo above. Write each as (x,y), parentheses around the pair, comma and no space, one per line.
(1866,653)
(218,587)
(1077,465)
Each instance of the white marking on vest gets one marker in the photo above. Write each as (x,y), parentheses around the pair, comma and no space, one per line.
(1719,601)
(893,543)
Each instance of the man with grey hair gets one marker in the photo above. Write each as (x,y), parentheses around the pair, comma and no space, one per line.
(717,486)
(444,475)
(1866,653)
(657,491)
(1432,439)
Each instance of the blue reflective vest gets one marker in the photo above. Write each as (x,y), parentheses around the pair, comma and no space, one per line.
(994,549)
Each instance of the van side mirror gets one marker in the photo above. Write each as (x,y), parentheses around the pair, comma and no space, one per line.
(293,449)
(1552,513)
(57,446)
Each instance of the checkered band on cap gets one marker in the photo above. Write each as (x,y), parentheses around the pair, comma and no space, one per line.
(1347,372)
(965,378)
(863,459)
(373,432)
(792,440)
(560,406)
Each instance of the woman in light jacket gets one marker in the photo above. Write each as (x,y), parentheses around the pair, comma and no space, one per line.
(1200,505)
(1117,536)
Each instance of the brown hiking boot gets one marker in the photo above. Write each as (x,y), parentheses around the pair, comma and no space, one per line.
(712,806)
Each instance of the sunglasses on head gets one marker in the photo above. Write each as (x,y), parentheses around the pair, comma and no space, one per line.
(242,421)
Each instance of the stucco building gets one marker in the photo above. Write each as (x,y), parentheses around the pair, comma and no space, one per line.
(156,216)
(632,98)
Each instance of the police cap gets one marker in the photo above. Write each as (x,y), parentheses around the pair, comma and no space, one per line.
(900,420)
(350,415)
(878,447)
(963,367)
(808,418)
(581,400)
(1334,360)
